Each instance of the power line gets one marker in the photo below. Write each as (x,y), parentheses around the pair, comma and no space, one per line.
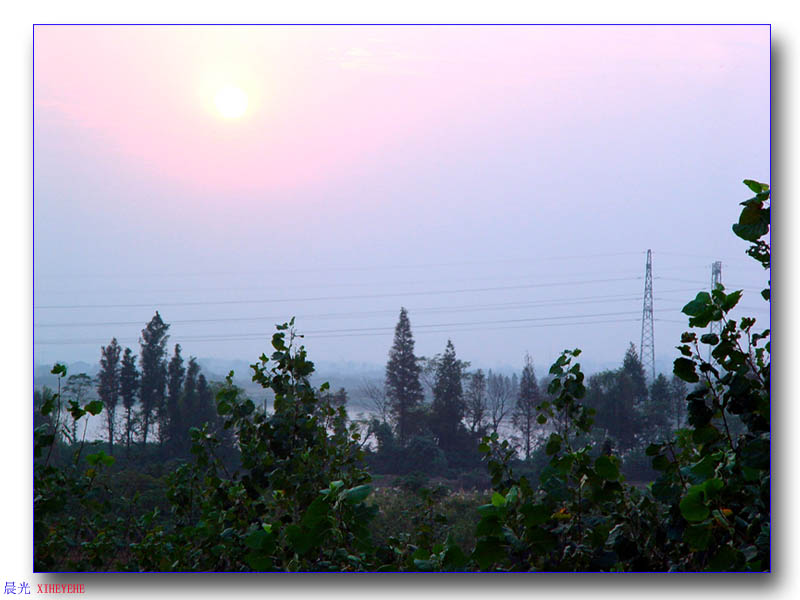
(388,332)
(355,314)
(329,298)
(331,268)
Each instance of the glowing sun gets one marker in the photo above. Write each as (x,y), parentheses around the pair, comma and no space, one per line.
(231,102)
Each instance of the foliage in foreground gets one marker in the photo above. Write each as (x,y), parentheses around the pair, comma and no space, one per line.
(300,500)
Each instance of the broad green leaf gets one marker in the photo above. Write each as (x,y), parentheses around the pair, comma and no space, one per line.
(357,494)
(756,186)
(709,338)
(723,560)
(731,300)
(606,468)
(94,407)
(258,562)
(698,305)
(488,552)
(697,536)
(300,541)
(712,487)
(424,564)
(454,558)
(553,444)
(535,514)
(693,507)
(48,405)
(685,369)
(59,369)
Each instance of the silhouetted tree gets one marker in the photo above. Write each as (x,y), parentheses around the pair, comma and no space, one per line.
(376,394)
(175,429)
(403,388)
(632,395)
(601,390)
(128,390)
(108,386)
(475,400)
(77,388)
(620,399)
(658,413)
(153,372)
(524,415)
(500,394)
(678,392)
(190,405)
(205,409)
(632,368)
(447,409)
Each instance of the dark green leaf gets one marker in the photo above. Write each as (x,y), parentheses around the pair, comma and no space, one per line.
(258,562)
(488,552)
(535,514)
(709,338)
(685,369)
(454,558)
(59,369)
(553,444)
(357,494)
(94,407)
(693,507)
(731,300)
(698,305)
(697,536)
(755,186)
(606,468)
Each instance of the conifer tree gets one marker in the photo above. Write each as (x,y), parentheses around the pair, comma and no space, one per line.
(128,390)
(153,372)
(631,394)
(659,407)
(205,411)
(108,386)
(448,399)
(403,388)
(175,428)
(189,407)
(678,392)
(525,412)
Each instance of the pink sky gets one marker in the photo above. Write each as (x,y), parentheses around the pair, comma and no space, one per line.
(327,102)
(367,147)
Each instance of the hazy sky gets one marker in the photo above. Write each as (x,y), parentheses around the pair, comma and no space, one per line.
(502,183)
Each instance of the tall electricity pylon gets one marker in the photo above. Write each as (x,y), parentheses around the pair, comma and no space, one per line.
(647,351)
(716,279)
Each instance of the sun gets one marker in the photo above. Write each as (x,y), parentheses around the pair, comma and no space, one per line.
(231,102)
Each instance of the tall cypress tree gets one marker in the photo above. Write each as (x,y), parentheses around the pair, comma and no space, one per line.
(128,389)
(524,415)
(153,372)
(175,429)
(631,393)
(108,386)
(403,388)
(448,398)
(190,404)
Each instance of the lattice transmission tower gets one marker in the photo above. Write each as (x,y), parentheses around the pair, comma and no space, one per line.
(716,279)
(647,351)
